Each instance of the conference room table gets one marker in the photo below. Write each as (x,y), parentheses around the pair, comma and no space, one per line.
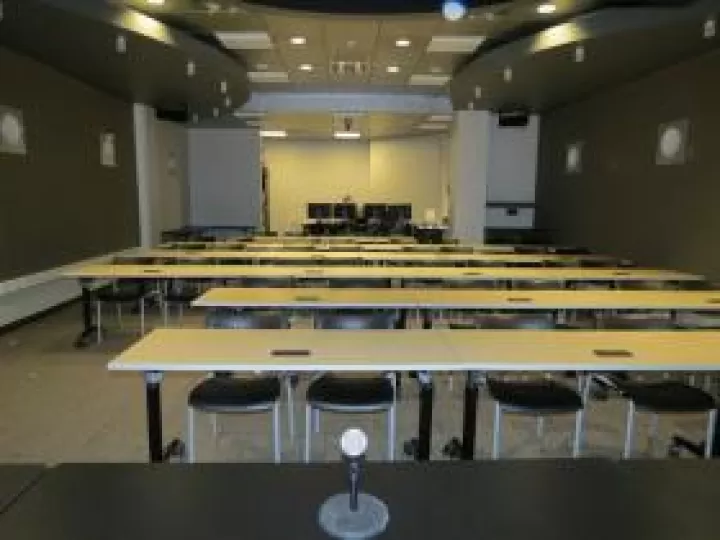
(403,350)
(87,275)
(373,257)
(589,499)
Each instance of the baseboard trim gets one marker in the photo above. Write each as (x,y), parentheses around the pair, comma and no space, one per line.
(37,316)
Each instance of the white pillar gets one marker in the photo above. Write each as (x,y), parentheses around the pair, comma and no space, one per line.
(143,118)
(469,158)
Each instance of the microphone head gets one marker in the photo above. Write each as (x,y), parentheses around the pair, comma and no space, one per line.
(354,443)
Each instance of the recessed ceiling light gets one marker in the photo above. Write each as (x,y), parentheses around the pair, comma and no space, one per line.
(453,10)
(261,67)
(195,118)
(216,112)
(432,126)
(478,92)
(190,68)
(435,69)
(402,42)
(471,106)
(347,135)
(228,102)
(305,67)
(213,7)
(120,44)
(546,9)
(273,133)
(507,74)
(156,2)
(298,40)
(393,69)
(223,87)
(351,43)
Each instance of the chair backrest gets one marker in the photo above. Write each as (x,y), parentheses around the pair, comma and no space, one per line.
(356,320)
(630,321)
(639,285)
(247,319)
(359,283)
(515,321)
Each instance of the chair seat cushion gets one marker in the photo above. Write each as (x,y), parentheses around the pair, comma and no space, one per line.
(541,396)
(666,396)
(181,295)
(229,393)
(127,293)
(338,392)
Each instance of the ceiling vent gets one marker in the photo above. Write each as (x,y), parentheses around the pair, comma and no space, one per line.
(268,76)
(349,69)
(245,40)
(454,44)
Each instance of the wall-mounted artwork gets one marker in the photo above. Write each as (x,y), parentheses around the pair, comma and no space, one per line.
(107,150)
(672,143)
(12,131)
(573,158)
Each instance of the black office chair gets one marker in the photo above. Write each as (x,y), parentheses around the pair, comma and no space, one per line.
(345,393)
(223,393)
(535,397)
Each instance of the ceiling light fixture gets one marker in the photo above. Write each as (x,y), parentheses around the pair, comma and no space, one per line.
(507,74)
(195,118)
(347,135)
(546,9)
(228,102)
(216,112)
(478,92)
(121,44)
(579,54)
(223,87)
(273,133)
(453,10)
(709,28)
(440,118)
(298,40)
(305,67)
(190,68)
(393,69)
(156,2)
(261,67)
(435,69)
(213,7)
(402,42)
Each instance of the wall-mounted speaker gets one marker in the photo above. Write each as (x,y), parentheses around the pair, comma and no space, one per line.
(513,117)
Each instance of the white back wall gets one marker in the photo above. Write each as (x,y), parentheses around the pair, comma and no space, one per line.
(170,199)
(225,177)
(404,170)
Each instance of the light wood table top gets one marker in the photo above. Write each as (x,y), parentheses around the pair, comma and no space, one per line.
(422,350)
(368,256)
(329,298)
(110,271)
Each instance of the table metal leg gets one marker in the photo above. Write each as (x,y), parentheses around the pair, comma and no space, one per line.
(425,416)
(469,416)
(89,327)
(158,454)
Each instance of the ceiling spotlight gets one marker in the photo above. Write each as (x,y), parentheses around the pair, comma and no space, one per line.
(156,2)
(223,87)
(453,10)
(435,69)
(709,28)
(393,69)
(507,74)
(216,112)
(579,55)
(347,135)
(120,44)
(471,106)
(402,42)
(190,68)
(213,7)
(261,67)
(478,92)
(228,102)
(195,118)
(546,9)
(273,133)
(298,40)
(305,67)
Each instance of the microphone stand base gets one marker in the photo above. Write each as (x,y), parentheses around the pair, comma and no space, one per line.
(339,521)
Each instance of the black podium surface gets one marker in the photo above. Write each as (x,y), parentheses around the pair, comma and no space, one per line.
(505,500)
(14,480)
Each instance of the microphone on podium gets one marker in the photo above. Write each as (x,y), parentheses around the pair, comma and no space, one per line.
(353,515)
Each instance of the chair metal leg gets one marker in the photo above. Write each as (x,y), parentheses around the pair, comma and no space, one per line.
(497,431)
(629,428)
(710,433)
(190,443)
(277,449)
(164,307)
(391,421)
(215,421)
(308,431)
(142,316)
(98,321)
(118,311)
(579,425)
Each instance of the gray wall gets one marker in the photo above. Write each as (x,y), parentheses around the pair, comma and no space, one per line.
(622,202)
(225,177)
(57,203)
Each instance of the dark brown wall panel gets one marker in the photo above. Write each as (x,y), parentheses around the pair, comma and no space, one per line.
(622,202)
(57,203)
